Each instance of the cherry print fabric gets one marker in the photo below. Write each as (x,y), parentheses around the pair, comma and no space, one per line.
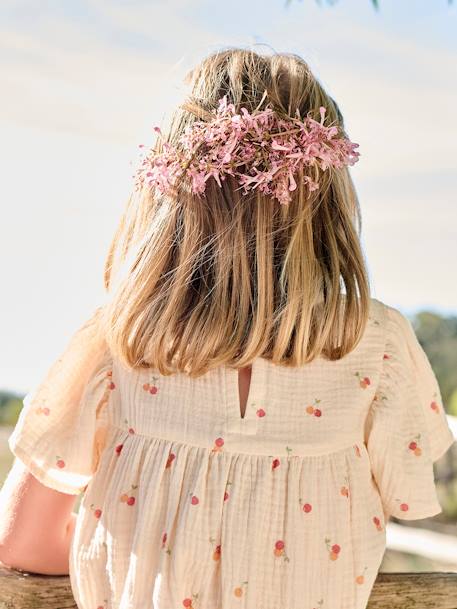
(186,504)
(60,430)
(406,428)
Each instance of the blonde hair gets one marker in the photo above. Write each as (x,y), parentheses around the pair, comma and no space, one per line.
(227,278)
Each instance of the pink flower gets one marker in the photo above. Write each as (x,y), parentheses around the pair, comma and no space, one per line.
(261,149)
(215,174)
(292,183)
(322,113)
(277,146)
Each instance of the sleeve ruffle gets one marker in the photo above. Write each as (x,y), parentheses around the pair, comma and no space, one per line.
(61,429)
(406,428)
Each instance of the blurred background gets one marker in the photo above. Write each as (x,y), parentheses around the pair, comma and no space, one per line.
(83,84)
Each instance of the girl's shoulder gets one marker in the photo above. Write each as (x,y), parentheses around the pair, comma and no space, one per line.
(394,324)
(387,330)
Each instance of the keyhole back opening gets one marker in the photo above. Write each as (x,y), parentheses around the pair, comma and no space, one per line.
(244,386)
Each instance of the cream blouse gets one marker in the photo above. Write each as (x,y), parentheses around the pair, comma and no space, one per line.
(186,504)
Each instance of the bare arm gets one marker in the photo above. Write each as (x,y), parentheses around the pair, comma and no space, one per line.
(36,524)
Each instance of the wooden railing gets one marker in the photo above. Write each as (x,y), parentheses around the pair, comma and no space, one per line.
(429,590)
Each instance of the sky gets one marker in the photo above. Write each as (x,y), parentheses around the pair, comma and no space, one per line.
(83,83)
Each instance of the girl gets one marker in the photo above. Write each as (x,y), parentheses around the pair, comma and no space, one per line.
(241,416)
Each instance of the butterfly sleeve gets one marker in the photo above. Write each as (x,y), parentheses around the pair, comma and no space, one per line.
(61,429)
(406,428)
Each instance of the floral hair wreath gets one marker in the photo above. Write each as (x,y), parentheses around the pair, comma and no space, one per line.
(261,149)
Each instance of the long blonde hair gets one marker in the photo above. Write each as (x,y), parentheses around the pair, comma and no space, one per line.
(227,278)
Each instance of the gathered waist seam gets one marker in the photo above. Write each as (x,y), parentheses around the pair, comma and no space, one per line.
(356,445)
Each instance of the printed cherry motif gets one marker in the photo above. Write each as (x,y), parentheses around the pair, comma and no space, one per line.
(60,462)
(218,444)
(361,578)
(313,409)
(377,523)
(105,600)
(334,550)
(226,494)
(404,507)
(413,446)
(306,507)
(260,412)
(217,549)
(434,406)
(45,410)
(97,512)
(130,429)
(194,499)
(171,457)
(363,381)
(189,601)
(279,550)
(151,387)
(129,499)
(385,356)
(344,490)
(238,591)
(275,463)
(118,449)
(111,385)
(320,603)
(164,544)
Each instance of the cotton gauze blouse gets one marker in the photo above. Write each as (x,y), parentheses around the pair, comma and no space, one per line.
(188,504)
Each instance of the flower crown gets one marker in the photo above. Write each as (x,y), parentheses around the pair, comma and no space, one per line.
(261,149)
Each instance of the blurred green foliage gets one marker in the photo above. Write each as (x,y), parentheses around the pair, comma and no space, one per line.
(10,406)
(438,337)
